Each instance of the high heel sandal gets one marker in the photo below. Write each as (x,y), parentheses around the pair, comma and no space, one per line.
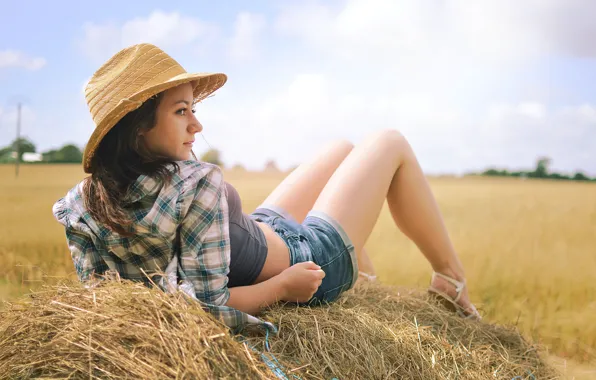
(450,302)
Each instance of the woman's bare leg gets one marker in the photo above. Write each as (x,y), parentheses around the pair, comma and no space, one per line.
(383,167)
(297,193)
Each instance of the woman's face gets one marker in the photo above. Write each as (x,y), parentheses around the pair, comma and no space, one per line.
(175,125)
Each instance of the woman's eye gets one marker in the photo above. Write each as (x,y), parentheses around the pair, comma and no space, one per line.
(182,111)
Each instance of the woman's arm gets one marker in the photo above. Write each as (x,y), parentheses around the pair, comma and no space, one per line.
(298,283)
(252,298)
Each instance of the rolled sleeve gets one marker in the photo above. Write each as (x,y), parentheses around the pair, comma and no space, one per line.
(205,241)
(86,259)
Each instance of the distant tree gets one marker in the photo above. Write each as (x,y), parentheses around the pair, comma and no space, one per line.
(5,152)
(579,176)
(212,156)
(542,165)
(23,145)
(69,153)
(271,166)
(490,172)
(541,171)
(495,172)
(558,176)
(50,155)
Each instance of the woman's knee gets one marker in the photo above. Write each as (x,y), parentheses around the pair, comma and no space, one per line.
(392,145)
(390,139)
(343,147)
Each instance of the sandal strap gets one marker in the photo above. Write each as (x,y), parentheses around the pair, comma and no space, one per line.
(369,277)
(459,285)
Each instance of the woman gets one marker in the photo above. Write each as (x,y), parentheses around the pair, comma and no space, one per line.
(148,212)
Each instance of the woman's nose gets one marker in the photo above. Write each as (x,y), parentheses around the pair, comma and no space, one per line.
(195,126)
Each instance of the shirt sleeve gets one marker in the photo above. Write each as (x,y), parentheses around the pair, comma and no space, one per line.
(86,259)
(205,240)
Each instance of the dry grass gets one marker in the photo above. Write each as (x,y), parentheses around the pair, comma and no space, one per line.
(528,246)
(117,331)
(124,330)
(378,332)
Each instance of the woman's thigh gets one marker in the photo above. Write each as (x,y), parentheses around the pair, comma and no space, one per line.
(297,193)
(356,192)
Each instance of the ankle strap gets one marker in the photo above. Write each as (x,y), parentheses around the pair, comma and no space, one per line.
(459,285)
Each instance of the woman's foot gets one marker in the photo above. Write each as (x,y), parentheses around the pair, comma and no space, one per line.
(452,291)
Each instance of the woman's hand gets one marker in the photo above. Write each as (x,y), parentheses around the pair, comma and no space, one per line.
(298,283)
(301,281)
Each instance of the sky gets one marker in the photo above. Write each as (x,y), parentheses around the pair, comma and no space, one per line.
(471,84)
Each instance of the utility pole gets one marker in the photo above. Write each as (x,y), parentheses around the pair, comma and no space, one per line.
(18,142)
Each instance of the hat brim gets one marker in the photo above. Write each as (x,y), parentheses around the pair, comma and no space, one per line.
(204,85)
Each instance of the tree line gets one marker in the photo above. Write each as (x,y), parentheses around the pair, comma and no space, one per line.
(71,153)
(68,153)
(541,170)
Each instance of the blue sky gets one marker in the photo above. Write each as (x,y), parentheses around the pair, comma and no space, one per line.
(472,85)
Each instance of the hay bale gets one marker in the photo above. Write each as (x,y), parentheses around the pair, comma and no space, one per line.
(374,332)
(118,330)
(127,330)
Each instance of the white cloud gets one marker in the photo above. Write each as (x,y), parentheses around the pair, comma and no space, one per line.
(449,49)
(292,124)
(166,30)
(528,110)
(491,29)
(532,109)
(436,70)
(512,136)
(14,58)
(445,52)
(582,114)
(244,44)
(443,73)
(100,41)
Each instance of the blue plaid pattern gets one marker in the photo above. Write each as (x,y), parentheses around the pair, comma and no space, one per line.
(181,239)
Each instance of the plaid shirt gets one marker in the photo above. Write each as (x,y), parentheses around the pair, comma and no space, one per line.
(181,238)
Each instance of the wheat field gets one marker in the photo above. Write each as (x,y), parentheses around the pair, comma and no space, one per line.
(528,246)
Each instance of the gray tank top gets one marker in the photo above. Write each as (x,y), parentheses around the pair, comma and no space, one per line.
(247,241)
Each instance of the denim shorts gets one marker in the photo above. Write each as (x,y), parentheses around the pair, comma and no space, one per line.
(320,239)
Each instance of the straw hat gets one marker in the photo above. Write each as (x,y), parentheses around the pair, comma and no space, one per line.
(128,79)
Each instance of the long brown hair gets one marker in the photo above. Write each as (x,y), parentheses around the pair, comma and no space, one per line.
(119,160)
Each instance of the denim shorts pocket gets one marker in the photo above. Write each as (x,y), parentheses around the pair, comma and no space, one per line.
(327,258)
